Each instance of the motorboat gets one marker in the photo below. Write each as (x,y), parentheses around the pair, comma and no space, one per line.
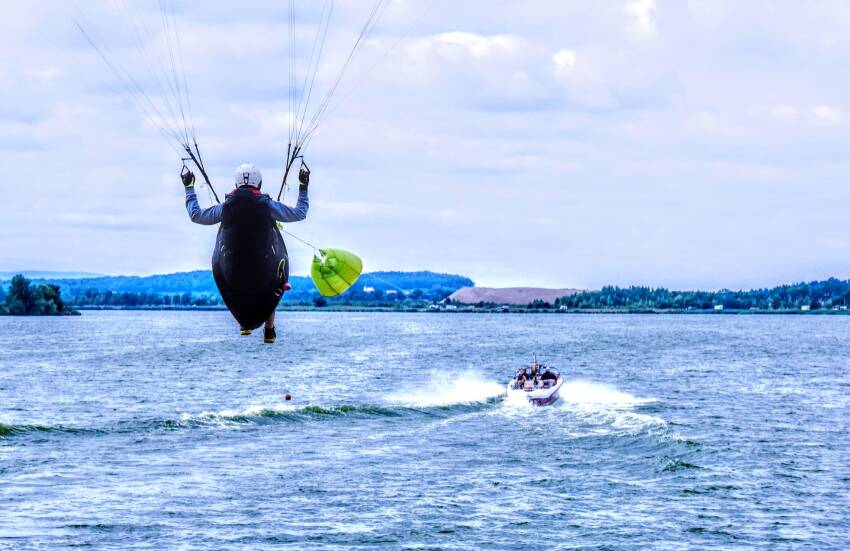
(538,383)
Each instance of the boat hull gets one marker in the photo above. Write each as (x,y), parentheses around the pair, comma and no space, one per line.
(538,396)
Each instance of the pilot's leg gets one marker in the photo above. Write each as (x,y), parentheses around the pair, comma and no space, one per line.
(269,334)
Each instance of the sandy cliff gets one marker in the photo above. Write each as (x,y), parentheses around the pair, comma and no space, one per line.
(509,295)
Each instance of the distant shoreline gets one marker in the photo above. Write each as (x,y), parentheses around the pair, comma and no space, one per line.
(474,310)
(430,291)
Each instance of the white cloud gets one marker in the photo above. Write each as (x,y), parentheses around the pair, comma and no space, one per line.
(45,74)
(478,45)
(784,113)
(434,56)
(826,115)
(365,209)
(565,61)
(644,13)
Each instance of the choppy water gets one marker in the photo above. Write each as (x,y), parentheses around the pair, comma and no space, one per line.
(168,430)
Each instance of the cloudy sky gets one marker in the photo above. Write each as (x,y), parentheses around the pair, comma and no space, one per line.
(698,144)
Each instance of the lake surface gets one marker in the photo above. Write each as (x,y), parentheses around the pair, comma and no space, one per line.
(168,430)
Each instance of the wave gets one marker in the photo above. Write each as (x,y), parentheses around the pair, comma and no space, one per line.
(597,394)
(613,409)
(590,408)
(252,415)
(597,408)
(12,430)
(586,395)
(259,413)
(441,392)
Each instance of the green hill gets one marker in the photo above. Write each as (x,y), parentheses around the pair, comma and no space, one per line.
(198,287)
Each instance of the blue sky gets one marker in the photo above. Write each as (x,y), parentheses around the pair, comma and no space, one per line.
(574,144)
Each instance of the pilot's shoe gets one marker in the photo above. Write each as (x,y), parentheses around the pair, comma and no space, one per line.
(243,331)
(269,335)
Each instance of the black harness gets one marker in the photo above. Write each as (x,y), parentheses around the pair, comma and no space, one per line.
(250,261)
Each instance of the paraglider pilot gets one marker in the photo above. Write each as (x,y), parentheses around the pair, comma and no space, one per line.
(248,181)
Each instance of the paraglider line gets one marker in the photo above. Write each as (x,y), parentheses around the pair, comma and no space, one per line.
(290,234)
(384,281)
(321,33)
(290,160)
(136,93)
(200,166)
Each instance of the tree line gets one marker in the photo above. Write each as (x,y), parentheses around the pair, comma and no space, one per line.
(110,299)
(309,297)
(25,297)
(197,289)
(201,282)
(815,295)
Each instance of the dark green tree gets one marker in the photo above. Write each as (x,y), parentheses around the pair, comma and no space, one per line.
(24,298)
(20,299)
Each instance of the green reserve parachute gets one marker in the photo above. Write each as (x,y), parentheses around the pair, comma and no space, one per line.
(335,270)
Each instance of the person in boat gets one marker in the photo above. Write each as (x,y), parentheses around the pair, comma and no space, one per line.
(247,176)
(534,375)
(520,379)
(527,379)
(547,378)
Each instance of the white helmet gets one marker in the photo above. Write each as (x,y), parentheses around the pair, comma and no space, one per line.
(247,174)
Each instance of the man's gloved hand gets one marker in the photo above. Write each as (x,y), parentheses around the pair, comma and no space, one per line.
(303,177)
(188,178)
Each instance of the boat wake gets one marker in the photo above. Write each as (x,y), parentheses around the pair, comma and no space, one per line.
(597,408)
(422,402)
(597,394)
(12,429)
(258,414)
(607,408)
(440,391)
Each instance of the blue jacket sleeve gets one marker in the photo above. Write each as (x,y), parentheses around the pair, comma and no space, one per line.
(282,213)
(206,217)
